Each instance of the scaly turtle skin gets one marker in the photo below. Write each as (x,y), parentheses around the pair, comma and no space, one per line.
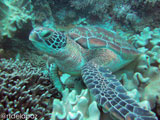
(94,52)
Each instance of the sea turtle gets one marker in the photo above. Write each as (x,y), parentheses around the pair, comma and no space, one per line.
(93,52)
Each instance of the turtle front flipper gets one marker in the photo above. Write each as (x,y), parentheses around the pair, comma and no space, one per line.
(111,95)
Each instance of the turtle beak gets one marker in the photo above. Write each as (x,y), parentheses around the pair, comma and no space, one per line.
(34,36)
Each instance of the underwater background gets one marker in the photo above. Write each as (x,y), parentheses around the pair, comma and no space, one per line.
(26,81)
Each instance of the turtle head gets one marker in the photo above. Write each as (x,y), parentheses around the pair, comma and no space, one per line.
(47,40)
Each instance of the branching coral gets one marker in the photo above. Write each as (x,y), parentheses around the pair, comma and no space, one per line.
(42,13)
(125,14)
(95,7)
(3,10)
(75,107)
(133,14)
(19,13)
(25,90)
(65,16)
(36,60)
(153,2)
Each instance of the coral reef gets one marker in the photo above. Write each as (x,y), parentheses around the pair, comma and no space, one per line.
(25,90)
(65,16)
(3,10)
(16,14)
(36,60)
(153,2)
(42,13)
(124,12)
(152,91)
(147,38)
(94,7)
(144,73)
(149,82)
(75,107)
(68,12)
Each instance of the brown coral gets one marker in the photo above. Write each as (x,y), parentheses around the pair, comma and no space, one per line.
(25,90)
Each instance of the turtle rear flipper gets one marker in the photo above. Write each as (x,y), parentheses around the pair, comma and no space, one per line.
(111,95)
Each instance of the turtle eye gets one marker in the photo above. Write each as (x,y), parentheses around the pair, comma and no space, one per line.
(47,34)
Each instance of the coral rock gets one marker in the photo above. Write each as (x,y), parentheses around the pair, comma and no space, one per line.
(75,107)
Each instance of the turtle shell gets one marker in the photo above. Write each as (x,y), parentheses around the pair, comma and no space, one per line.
(92,37)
